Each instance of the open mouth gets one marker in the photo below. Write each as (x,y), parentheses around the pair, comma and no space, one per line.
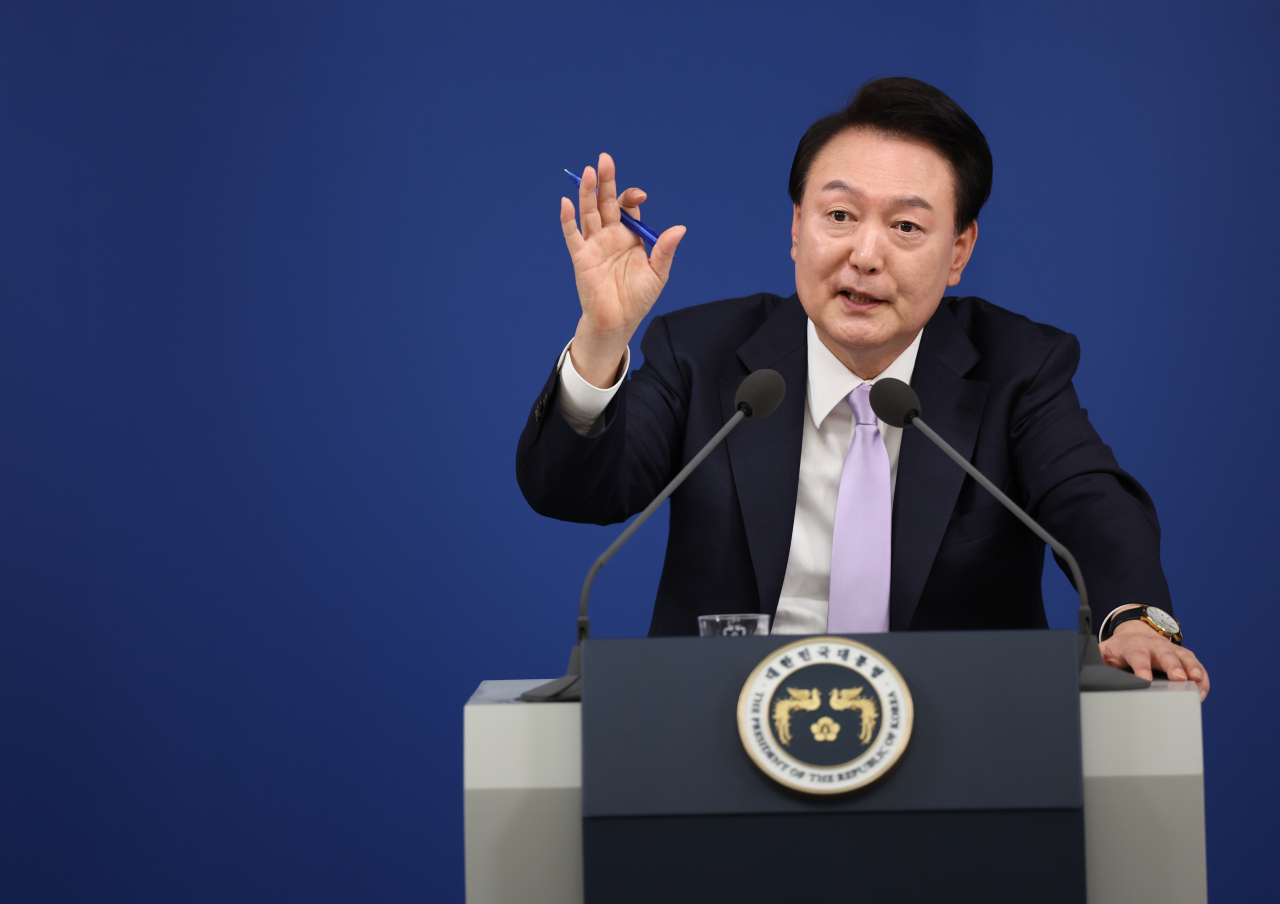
(859,298)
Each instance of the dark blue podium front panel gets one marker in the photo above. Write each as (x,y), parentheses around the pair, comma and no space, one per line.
(985,804)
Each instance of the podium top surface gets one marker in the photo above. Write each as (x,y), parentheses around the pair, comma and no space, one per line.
(497,692)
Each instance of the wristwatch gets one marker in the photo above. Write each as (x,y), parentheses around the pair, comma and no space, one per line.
(1162,622)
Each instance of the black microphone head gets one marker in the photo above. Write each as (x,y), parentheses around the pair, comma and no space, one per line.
(894,402)
(760,393)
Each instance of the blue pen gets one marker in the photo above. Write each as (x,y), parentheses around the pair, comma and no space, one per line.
(627,220)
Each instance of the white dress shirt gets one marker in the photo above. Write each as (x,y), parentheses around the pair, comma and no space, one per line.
(828,433)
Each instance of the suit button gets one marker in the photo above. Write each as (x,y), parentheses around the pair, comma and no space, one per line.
(539,408)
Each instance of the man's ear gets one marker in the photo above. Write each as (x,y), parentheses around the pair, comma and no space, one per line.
(795,229)
(961,251)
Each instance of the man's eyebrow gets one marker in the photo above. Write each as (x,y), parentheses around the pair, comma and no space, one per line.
(904,201)
(912,201)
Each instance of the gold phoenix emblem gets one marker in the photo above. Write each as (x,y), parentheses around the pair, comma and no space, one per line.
(851,698)
(803,757)
(826,728)
(799,699)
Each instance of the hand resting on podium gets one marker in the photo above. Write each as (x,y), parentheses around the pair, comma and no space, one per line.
(1138,647)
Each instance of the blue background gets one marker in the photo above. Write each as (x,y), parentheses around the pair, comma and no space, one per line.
(281,281)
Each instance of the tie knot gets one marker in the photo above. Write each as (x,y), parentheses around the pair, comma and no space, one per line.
(860,401)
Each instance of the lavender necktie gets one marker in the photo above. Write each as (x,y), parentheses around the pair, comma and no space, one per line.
(861,545)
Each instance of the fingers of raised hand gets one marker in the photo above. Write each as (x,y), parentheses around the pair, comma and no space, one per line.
(631,199)
(665,249)
(608,198)
(569,225)
(587,206)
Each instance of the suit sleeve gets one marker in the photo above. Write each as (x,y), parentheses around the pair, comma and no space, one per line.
(608,477)
(1078,491)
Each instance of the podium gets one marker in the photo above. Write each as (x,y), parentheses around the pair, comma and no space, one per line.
(644,791)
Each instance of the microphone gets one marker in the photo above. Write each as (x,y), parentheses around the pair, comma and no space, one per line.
(758,396)
(897,404)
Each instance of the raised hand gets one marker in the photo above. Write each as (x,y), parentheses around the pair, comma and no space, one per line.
(617,282)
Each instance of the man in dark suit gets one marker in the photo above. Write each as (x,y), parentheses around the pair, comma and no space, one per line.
(819,514)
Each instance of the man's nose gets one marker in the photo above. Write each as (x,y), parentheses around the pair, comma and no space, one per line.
(866,252)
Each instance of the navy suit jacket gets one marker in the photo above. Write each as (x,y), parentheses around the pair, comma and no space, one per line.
(993,383)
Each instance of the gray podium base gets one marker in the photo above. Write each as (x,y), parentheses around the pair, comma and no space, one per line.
(1143,792)
(1144,795)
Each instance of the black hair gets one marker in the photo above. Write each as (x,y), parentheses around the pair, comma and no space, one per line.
(908,108)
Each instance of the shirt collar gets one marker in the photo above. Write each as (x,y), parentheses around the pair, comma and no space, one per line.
(830,381)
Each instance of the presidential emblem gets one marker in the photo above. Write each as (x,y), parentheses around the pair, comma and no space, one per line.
(825,715)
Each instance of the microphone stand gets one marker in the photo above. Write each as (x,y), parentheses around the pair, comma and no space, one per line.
(1095,675)
(758,395)
(569,687)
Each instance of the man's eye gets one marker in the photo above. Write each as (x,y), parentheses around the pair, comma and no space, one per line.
(840,216)
(908,227)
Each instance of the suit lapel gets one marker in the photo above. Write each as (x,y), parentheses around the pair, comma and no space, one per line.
(764,455)
(929,482)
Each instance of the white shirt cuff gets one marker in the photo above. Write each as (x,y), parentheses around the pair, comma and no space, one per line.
(1102,625)
(581,403)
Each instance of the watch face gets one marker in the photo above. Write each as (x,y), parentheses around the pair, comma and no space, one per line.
(1163,620)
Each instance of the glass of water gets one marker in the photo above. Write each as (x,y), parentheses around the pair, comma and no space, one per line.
(741,625)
